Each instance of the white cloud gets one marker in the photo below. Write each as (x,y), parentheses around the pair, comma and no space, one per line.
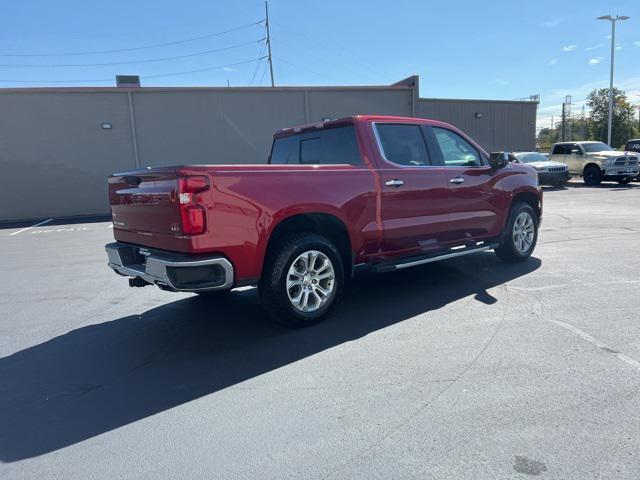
(502,82)
(228,69)
(553,61)
(554,22)
(595,47)
(595,61)
(569,48)
(618,47)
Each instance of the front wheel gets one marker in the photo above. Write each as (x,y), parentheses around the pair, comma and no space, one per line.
(302,279)
(521,234)
(592,176)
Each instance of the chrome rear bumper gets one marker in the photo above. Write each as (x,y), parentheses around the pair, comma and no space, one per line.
(170,270)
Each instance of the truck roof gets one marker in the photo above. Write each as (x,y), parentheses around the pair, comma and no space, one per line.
(283,132)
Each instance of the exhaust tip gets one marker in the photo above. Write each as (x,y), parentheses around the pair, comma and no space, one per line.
(138,282)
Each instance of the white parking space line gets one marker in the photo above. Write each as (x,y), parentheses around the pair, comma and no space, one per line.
(584,335)
(32,226)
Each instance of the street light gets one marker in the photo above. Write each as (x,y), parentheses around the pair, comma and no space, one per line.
(613,21)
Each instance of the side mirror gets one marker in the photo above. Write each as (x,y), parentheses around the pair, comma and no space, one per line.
(498,160)
(576,151)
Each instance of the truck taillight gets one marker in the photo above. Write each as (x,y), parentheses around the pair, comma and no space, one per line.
(192,213)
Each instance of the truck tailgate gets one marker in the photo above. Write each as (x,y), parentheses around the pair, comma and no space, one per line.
(145,202)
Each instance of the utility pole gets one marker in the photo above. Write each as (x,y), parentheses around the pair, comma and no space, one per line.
(266,23)
(567,115)
(563,122)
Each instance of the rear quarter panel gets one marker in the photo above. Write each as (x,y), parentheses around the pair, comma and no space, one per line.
(247,202)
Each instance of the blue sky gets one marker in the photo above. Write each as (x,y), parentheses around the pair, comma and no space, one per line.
(460,49)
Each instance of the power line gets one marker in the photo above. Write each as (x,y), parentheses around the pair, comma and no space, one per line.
(347,58)
(329,62)
(264,73)
(307,69)
(118,50)
(218,67)
(258,65)
(255,71)
(204,52)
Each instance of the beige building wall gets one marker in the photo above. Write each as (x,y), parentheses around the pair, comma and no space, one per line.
(55,156)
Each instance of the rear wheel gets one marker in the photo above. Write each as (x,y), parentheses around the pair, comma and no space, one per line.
(302,280)
(624,180)
(521,234)
(592,176)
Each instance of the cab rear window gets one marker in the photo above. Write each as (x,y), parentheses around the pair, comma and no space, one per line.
(561,150)
(331,146)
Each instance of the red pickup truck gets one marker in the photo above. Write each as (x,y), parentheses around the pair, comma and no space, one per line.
(377,191)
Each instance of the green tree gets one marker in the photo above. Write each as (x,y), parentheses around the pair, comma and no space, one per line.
(623,116)
(547,137)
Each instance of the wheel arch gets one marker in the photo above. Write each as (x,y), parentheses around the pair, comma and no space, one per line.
(590,165)
(530,198)
(322,223)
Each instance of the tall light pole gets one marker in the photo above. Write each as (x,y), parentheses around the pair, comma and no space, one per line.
(613,21)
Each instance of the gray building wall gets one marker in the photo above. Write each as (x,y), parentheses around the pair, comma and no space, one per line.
(503,125)
(55,157)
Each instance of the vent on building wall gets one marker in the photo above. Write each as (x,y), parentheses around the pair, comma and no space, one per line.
(127,80)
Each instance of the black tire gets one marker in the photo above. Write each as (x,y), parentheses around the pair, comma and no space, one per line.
(508,251)
(272,287)
(624,180)
(592,176)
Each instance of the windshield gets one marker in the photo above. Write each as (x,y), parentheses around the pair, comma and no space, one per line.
(596,147)
(530,157)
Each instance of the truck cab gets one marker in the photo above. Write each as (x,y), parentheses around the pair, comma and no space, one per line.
(596,162)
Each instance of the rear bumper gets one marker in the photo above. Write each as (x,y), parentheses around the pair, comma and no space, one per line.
(170,270)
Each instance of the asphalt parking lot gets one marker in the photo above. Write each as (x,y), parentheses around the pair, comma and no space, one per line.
(468,368)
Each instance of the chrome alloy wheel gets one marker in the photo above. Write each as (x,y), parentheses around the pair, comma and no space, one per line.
(523,232)
(310,281)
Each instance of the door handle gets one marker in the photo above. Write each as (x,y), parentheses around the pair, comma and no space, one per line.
(394,183)
(456,180)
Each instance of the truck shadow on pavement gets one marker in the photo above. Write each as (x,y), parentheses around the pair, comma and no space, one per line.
(101,377)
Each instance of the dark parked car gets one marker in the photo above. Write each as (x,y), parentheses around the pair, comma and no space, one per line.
(632,145)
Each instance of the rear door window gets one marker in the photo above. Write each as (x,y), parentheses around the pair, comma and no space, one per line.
(331,146)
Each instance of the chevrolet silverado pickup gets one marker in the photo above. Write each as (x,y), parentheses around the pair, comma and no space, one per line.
(379,192)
